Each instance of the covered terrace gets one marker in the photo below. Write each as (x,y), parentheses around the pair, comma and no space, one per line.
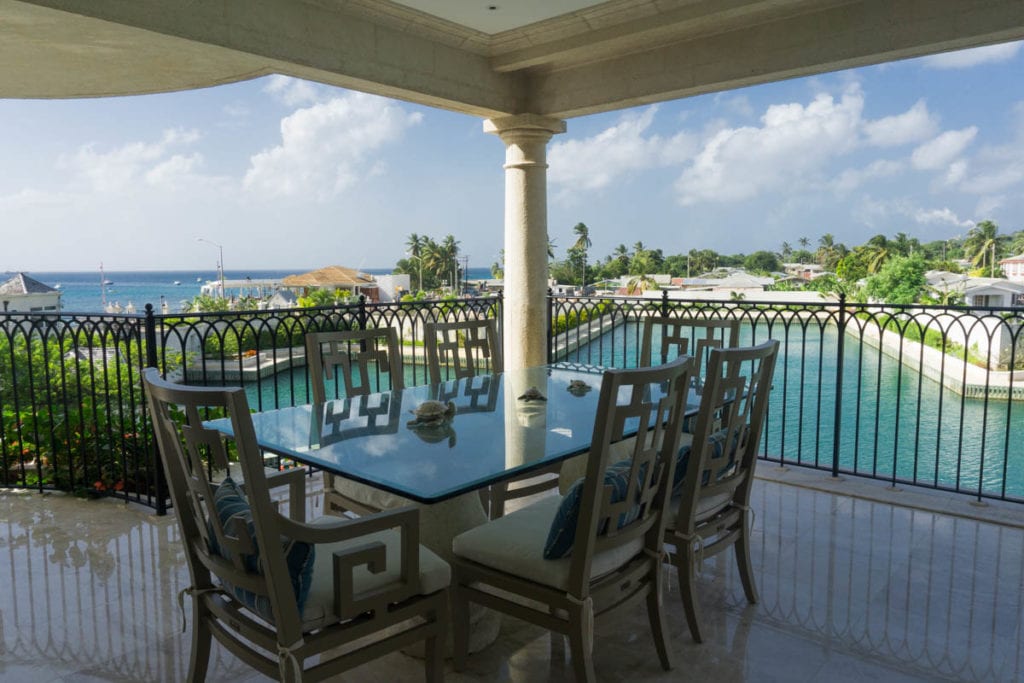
(854,588)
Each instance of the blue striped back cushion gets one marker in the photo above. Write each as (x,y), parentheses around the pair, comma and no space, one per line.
(229,502)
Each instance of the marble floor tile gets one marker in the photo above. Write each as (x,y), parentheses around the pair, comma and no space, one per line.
(851,589)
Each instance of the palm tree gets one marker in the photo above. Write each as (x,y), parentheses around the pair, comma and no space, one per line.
(804,243)
(582,244)
(641,283)
(450,258)
(787,249)
(982,239)
(414,245)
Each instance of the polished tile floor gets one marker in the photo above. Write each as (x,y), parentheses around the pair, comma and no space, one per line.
(851,590)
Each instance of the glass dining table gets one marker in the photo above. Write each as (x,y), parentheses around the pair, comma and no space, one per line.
(497,432)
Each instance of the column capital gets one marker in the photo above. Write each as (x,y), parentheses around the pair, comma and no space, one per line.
(529,124)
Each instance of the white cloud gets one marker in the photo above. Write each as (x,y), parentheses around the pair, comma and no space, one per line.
(292,92)
(597,161)
(852,178)
(30,199)
(963,59)
(174,172)
(790,148)
(942,217)
(123,167)
(913,125)
(942,150)
(988,205)
(327,147)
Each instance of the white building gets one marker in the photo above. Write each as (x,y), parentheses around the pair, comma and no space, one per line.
(22,294)
(1013,268)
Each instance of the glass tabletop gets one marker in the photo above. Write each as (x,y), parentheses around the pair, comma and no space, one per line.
(493,436)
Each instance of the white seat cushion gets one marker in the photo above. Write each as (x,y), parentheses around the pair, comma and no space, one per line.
(515,544)
(706,507)
(435,574)
(370,496)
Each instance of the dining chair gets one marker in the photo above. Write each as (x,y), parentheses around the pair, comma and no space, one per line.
(663,334)
(563,561)
(468,347)
(275,590)
(464,347)
(709,510)
(364,362)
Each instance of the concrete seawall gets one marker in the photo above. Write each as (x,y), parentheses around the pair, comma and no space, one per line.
(953,373)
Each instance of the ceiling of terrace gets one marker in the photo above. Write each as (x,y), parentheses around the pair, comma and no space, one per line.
(558,58)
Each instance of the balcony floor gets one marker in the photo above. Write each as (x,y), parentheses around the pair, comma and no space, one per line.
(851,590)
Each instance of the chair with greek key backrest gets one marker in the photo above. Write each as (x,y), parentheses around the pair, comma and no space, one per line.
(468,348)
(687,336)
(561,562)
(465,347)
(364,362)
(710,505)
(297,601)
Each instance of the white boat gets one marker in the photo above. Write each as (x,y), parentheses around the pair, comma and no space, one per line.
(177,282)
(199,279)
(108,282)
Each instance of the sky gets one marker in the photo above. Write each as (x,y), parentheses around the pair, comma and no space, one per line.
(290,174)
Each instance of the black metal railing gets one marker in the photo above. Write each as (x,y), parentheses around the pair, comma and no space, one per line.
(918,395)
(73,414)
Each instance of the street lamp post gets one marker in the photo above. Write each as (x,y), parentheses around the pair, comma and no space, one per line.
(220,264)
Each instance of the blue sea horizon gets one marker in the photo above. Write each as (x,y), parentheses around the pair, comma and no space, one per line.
(81,291)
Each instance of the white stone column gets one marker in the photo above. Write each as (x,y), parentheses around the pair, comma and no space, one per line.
(526,235)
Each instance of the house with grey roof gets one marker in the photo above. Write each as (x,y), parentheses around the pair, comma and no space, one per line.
(22,294)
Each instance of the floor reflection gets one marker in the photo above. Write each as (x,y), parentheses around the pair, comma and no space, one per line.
(851,590)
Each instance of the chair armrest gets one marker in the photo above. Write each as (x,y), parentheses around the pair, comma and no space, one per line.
(295,480)
(373,554)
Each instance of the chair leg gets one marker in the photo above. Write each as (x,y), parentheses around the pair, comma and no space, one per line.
(202,639)
(656,615)
(581,642)
(745,566)
(460,625)
(687,570)
(434,646)
(498,493)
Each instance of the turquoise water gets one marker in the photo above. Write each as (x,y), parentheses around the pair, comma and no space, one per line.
(888,413)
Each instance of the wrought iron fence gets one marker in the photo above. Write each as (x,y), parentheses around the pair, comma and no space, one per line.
(73,414)
(921,395)
(909,394)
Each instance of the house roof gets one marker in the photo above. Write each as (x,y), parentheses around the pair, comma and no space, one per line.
(330,276)
(1019,258)
(978,284)
(23,284)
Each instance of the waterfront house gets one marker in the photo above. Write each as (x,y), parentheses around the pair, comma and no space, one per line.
(1013,268)
(22,294)
(334,278)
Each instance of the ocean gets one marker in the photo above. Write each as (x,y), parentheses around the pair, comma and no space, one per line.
(82,291)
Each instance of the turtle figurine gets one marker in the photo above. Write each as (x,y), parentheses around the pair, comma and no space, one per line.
(433,422)
(578,387)
(432,414)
